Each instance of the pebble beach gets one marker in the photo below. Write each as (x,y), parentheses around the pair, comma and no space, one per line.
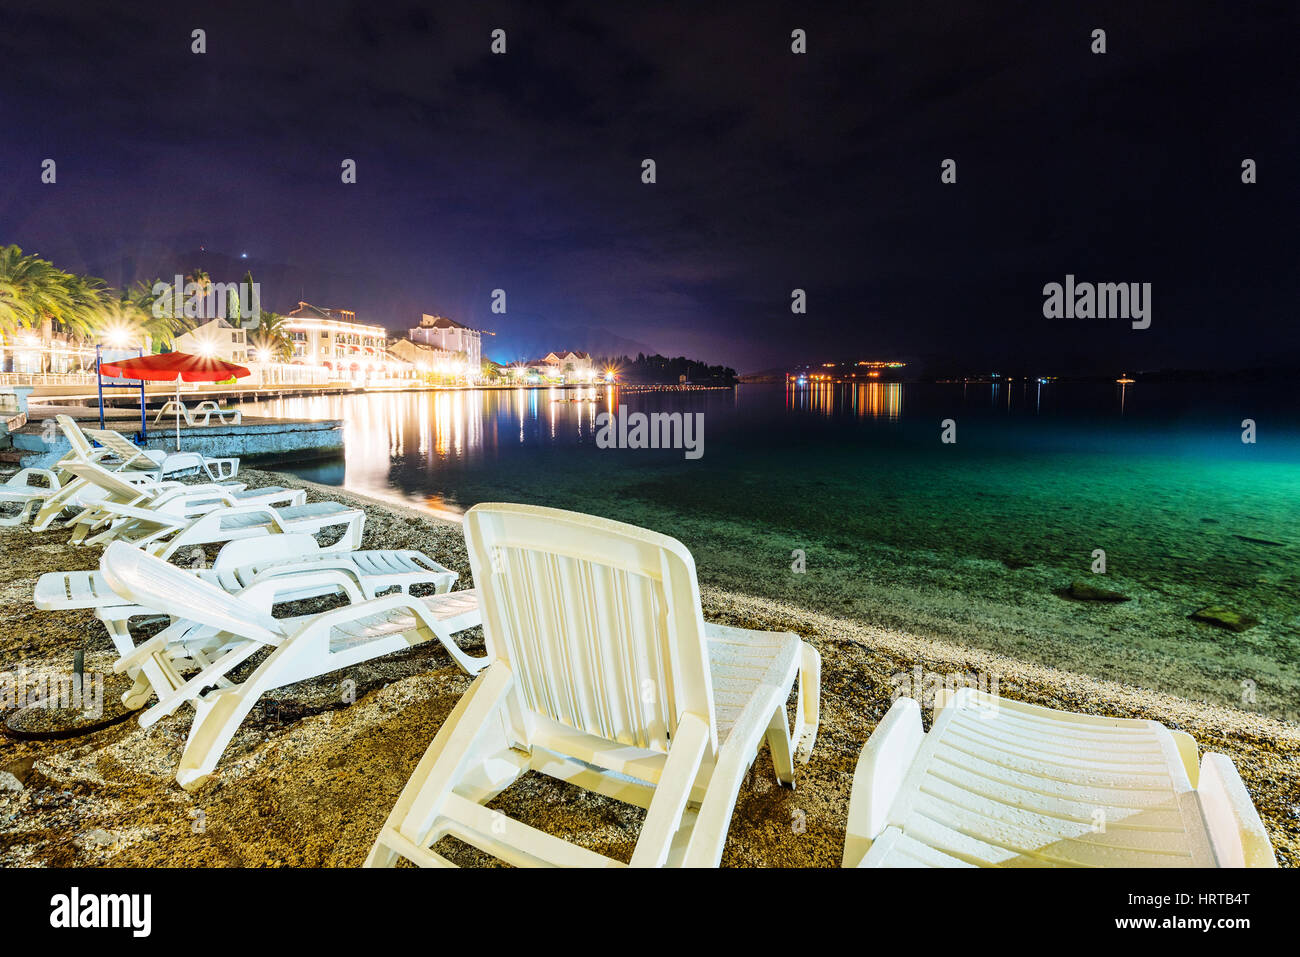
(313,772)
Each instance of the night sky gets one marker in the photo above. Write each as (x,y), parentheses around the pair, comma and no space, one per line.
(775,170)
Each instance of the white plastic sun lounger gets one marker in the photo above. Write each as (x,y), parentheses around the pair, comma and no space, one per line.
(78,491)
(604,674)
(71,491)
(158,463)
(143,512)
(207,409)
(21,490)
(241,565)
(117,453)
(165,539)
(81,448)
(1000,783)
(219,631)
(164,533)
(245,562)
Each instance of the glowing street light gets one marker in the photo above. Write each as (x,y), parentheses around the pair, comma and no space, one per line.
(118,336)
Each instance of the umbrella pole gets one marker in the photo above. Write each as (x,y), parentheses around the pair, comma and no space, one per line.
(178,413)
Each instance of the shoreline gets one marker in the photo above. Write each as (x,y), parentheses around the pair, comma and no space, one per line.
(308,780)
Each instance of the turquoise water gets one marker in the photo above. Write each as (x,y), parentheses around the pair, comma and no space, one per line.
(970,541)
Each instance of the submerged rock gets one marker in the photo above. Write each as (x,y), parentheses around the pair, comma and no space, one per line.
(1224,618)
(1082,591)
(1260,541)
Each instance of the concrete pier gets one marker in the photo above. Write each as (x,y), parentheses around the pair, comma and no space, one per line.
(40,443)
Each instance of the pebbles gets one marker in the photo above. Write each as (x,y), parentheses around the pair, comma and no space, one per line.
(310,783)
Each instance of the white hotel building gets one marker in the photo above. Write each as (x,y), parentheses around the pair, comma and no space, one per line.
(334,340)
(439,332)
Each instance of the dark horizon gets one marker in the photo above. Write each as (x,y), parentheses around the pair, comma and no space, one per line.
(775,171)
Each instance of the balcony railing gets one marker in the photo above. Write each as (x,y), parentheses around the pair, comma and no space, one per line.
(47,378)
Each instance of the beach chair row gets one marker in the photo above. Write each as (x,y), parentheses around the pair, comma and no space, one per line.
(601,671)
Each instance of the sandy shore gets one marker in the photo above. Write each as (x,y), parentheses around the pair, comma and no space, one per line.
(309,779)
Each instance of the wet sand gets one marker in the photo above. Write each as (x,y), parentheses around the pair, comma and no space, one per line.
(309,779)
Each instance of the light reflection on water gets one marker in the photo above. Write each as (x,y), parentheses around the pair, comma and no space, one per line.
(876,400)
(453,447)
(394,440)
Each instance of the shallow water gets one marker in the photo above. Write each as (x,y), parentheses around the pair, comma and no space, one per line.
(968,541)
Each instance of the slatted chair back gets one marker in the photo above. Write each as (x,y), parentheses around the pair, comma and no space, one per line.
(599,621)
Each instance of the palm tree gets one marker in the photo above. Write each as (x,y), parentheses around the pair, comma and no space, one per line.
(31,289)
(16,278)
(150,315)
(85,299)
(36,294)
(202,281)
(272,337)
(80,317)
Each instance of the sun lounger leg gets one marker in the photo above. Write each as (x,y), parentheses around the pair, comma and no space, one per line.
(54,506)
(216,719)
(154,673)
(778,739)
(410,825)
(21,517)
(138,695)
(220,713)
(467,663)
(351,538)
(808,703)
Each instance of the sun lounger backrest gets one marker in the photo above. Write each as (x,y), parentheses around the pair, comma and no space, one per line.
(153,583)
(265,549)
(599,621)
(111,482)
(117,443)
(81,446)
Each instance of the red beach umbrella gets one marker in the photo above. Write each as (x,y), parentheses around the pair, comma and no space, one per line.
(178,366)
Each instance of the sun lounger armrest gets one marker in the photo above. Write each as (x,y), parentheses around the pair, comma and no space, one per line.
(882,766)
(292,579)
(21,478)
(94,455)
(709,834)
(149,516)
(1235,828)
(326,620)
